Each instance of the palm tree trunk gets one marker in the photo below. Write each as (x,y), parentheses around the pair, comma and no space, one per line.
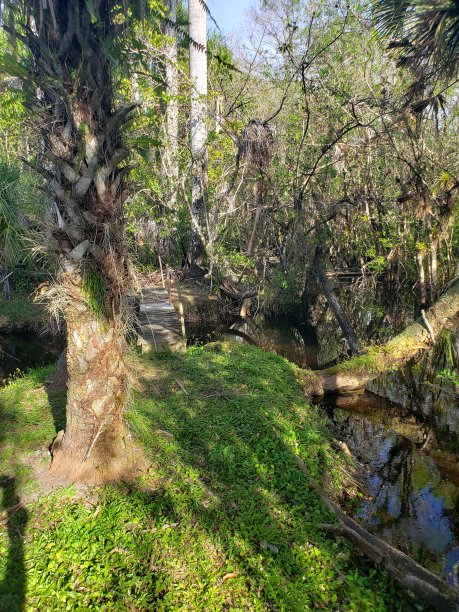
(80,163)
(198,115)
(94,445)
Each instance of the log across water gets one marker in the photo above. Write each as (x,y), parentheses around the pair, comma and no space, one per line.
(427,587)
(357,372)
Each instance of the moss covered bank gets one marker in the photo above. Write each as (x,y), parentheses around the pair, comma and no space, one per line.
(223,520)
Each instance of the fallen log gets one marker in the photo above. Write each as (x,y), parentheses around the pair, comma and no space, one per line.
(237,296)
(315,276)
(427,587)
(355,373)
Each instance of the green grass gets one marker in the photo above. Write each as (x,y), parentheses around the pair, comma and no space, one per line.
(26,423)
(225,520)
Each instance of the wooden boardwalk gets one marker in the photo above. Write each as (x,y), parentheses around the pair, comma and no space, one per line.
(159,324)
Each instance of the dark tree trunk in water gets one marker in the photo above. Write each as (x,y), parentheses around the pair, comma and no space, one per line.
(311,343)
(340,315)
(310,293)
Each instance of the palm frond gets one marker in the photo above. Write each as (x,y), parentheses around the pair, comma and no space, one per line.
(10,215)
(424,34)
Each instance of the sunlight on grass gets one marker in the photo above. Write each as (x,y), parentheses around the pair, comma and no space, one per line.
(223,520)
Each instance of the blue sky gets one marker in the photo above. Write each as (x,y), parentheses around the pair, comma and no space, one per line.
(229,14)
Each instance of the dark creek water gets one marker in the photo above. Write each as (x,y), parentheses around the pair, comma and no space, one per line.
(410,480)
(407,456)
(297,342)
(19,351)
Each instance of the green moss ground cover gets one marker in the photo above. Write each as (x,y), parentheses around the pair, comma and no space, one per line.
(224,520)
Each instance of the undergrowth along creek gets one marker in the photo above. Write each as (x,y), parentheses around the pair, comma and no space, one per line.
(20,313)
(224,519)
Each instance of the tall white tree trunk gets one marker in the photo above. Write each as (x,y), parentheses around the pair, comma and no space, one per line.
(171,165)
(198,115)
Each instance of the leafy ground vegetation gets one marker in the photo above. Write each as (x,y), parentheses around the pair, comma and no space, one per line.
(20,313)
(224,519)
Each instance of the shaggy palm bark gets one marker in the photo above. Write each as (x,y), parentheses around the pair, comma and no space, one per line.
(94,443)
(82,151)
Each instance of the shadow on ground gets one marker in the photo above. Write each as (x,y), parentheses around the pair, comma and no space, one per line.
(225,519)
(26,428)
(13,585)
(228,426)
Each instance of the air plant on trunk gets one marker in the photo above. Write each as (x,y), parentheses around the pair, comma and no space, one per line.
(68,79)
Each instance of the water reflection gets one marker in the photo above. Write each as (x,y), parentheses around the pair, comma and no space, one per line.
(409,502)
(407,454)
(294,340)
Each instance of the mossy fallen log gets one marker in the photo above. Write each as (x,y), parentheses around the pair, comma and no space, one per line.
(355,373)
(425,586)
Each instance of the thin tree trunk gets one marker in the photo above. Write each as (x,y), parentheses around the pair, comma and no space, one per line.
(332,299)
(258,193)
(198,114)
(433,276)
(421,278)
(172,111)
(218,113)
